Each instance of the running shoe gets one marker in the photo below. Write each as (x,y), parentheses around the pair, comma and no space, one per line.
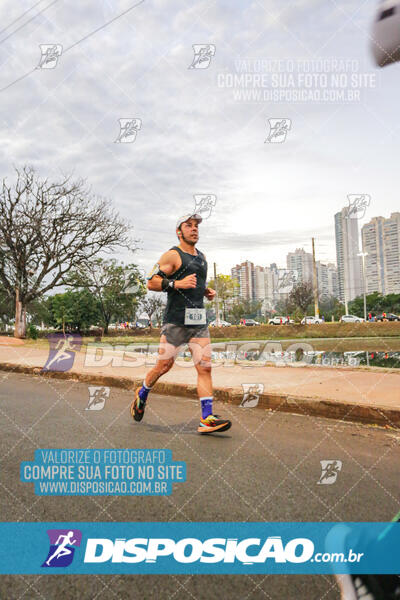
(212,424)
(137,406)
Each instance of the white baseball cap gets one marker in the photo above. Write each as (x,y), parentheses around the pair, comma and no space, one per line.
(187,217)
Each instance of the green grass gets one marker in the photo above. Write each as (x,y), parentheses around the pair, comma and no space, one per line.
(373,336)
(377,344)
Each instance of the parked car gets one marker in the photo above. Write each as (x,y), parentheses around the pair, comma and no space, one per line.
(311,321)
(249,322)
(350,319)
(388,317)
(280,321)
(221,323)
(277,320)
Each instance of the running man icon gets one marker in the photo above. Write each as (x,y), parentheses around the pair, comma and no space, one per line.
(62,351)
(62,549)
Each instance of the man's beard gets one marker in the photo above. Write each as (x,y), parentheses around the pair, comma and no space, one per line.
(190,242)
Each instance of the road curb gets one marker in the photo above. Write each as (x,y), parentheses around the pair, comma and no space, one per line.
(303,405)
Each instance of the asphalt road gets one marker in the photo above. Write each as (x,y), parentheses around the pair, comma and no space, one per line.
(265,468)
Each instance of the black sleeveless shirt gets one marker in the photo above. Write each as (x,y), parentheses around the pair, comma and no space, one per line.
(180,299)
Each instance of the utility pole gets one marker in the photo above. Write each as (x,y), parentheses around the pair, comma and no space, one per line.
(216,296)
(315,281)
(363,255)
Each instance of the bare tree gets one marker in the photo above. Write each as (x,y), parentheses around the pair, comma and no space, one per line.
(153,305)
(48,228)
(159,312)
(301,297)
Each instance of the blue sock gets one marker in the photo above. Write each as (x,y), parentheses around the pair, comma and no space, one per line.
(144,392)
(206,406)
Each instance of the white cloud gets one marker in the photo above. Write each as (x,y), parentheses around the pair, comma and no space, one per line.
(195,137)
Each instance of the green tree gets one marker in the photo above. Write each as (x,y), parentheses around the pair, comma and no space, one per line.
(392,303)
(252,308)
(39,312)
(356,306)
(74,310)
(226,287)
(376,303)
(236,311)
(118,288)
(329,306)
(282,307)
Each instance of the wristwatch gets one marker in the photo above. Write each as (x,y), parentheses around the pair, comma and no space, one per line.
(172,284)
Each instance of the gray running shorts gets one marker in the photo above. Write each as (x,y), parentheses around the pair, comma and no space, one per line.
(179,335)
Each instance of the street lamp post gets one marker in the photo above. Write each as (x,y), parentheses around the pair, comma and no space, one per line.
(363,255)
(315,282)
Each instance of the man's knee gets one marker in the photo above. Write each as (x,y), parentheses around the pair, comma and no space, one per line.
(167,351)
(163,366)
(204,366)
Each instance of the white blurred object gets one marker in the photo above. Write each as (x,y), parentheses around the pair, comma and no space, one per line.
(385,43)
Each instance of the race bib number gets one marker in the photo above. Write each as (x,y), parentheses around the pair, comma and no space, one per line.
(195,316)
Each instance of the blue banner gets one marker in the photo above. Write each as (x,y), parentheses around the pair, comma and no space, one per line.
(201,548)
(103,472)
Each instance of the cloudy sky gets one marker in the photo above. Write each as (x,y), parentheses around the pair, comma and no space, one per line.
(200,133)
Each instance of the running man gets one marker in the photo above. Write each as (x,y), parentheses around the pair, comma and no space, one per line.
(63,348)
(182,273)
(62,549)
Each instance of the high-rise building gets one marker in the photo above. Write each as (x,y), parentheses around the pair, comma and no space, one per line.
(257,283)
(327,277)
(302,262)
(347,250)
(372,242)
(271,276)
(381,241)
(245,276)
